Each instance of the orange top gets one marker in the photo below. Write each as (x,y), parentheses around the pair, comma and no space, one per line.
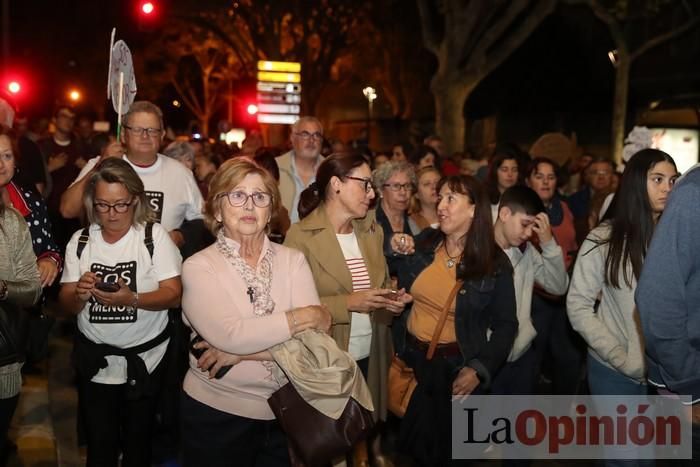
(430,292)
(565,234)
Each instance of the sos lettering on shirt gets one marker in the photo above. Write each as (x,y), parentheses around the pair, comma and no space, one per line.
(155,201)
(100,313)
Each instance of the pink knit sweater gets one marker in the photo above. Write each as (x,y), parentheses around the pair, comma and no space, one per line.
(216,305)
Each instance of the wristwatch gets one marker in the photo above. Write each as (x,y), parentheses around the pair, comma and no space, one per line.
(3,290)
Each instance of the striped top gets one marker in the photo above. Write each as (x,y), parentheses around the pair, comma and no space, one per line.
(359,273)
(360,324)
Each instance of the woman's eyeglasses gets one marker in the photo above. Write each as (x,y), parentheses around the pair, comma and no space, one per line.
(399,186)
(368,182)
(239,198)
(104,208)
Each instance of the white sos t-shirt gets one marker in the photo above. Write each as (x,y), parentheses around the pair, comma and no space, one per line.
(121,326)
(171,190)
(360,324)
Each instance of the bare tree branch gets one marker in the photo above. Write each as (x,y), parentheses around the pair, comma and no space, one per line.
(660,39)
(616,31)
(459,23)
(219,33)
(428,19)
(486,17)
(193,106)
(495,32)
(517,37)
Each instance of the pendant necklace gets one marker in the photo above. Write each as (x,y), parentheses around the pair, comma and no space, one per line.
(452,260)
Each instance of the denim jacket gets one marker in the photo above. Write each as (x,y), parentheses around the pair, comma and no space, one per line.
(485,313)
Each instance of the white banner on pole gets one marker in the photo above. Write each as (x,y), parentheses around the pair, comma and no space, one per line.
(122,64)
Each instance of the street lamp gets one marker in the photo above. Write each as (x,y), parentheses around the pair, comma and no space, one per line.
(370,94)
(74,95)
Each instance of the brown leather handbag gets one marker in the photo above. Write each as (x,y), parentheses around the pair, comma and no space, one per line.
(313,436)
(402,380)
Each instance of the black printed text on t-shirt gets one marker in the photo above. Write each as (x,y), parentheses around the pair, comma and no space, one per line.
(100,313)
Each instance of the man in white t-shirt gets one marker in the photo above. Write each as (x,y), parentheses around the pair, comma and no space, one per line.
(171,189)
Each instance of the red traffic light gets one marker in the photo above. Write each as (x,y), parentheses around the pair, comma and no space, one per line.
(252,109)
(147,8)
(14,87)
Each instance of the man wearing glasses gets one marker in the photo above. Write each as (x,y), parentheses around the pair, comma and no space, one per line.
(298,166)
(170,188)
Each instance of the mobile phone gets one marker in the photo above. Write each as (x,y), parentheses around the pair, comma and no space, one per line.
(107,286)
(393,295)
(199,352)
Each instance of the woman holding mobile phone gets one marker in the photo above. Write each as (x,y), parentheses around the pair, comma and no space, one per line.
(343,245)
(121,275)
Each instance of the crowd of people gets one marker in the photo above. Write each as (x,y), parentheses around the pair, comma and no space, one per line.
(189,266)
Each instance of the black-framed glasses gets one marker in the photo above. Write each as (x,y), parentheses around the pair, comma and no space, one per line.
(366,181)
(399,186)
(239,198)
(104,208)
(305,135)
(137,130)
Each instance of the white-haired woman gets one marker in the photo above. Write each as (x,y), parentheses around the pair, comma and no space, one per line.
(395,183)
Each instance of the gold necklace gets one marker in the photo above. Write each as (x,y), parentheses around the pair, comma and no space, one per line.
(452,260)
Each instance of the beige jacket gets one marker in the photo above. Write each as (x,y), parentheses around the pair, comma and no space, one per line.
(325,376)
(314,236)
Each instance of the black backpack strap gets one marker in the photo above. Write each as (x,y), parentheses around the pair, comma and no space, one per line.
(85,236)
(148,239)
(82,241)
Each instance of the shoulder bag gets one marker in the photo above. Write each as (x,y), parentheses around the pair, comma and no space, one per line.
(402,381)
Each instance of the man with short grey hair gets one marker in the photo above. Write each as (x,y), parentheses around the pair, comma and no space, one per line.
(171,189)
(298,166)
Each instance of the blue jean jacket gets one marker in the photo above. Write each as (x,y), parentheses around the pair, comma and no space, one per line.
(482,304)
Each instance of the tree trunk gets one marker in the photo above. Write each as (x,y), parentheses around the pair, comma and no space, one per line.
(204,122)
(622,79)
(450,94)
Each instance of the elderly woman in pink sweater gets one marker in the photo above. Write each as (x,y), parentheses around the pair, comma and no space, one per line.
(242,295)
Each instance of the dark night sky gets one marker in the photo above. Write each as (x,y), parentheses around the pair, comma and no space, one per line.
(562,67)
(58,44)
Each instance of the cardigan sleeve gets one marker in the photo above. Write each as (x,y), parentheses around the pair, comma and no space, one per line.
(24,288)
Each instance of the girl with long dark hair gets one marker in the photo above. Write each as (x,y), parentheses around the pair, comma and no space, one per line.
(609,264)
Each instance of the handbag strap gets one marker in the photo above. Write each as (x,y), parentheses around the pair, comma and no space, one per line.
(442,320)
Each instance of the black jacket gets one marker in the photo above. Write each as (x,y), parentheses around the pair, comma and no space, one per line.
(482,305)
